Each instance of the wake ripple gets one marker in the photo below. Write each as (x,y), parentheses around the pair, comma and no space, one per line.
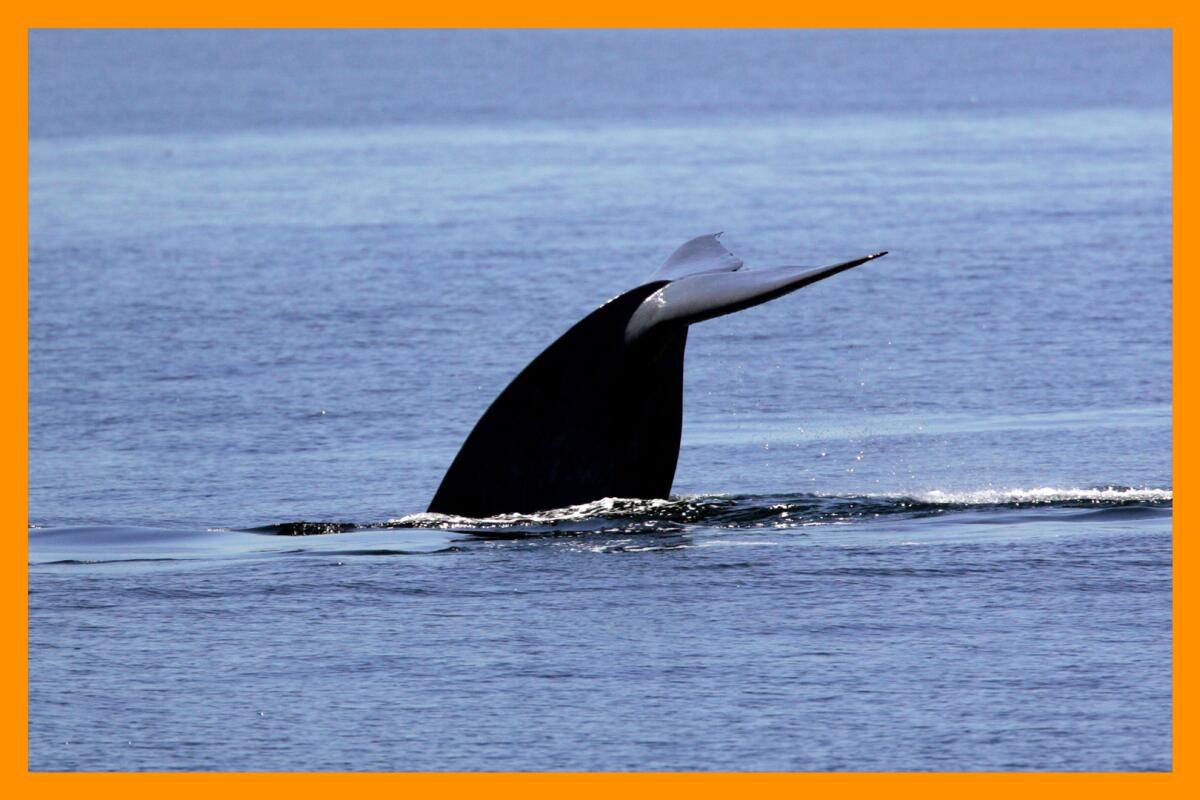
(622,515)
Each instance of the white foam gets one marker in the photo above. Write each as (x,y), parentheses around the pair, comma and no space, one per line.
(1045,494)
(606,505)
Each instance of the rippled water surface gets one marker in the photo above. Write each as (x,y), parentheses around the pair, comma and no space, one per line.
(922,515)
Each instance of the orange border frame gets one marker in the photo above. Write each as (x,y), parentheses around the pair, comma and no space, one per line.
(543,13)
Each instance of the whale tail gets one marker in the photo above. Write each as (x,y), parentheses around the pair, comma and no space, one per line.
(599,413)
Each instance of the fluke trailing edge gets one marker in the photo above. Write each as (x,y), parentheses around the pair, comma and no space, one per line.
(599,412)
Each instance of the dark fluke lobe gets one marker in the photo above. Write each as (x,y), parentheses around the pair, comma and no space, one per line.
(599,412)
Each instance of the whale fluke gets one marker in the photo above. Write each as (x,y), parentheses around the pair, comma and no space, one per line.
(599,412)
(701,255)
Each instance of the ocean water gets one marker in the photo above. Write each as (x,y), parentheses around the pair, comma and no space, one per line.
(922,514)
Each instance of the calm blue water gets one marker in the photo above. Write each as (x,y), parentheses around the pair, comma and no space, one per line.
(923,509)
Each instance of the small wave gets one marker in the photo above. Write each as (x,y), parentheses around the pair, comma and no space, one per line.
(91,561)
(303,528)
(374,551)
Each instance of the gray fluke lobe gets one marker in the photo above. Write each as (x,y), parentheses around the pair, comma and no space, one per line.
(599,413)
